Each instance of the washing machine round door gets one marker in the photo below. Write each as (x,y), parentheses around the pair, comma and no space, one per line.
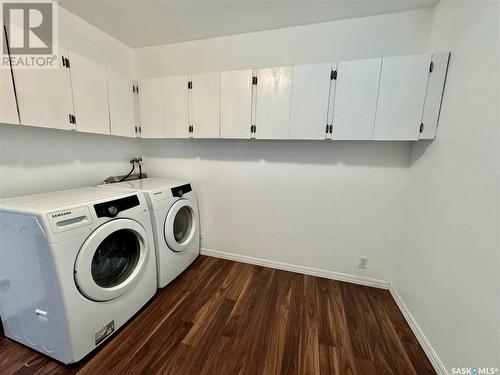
(180,225)
(112,260)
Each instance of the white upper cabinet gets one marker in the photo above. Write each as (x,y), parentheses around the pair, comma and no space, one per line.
(121,104)
(44,95)
(205,105)
(435,89)
(355,99)
(176,107)
(8,109)
(272,110)
(151,99)
(309,101)
(236,104)
(90,95)
(403,84)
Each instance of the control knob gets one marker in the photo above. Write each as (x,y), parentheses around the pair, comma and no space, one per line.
(112,211)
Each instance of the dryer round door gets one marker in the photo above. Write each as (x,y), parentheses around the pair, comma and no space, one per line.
(112,260)
(180,225)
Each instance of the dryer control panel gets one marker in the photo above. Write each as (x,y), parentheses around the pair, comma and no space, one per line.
(114,207)
(179,191)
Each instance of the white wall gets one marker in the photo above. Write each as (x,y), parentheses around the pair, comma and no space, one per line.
(391,34)
(312,204)
(315,204)
(448,271)
(35,160)
(79,36)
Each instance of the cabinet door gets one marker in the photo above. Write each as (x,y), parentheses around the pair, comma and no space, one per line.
(236,104)
(356,99)
(176,107)
(205,105)
(435,88)
(8,109)
(403,82)
(121,104)
(90,95)
(151,98)
(273,103)
(44,96)
(309,102)
(8,106)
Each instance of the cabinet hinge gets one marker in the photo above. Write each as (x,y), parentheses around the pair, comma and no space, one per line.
(255,80)
(422,127)
(333,75)
(190,85)
(65,61)
(431,67)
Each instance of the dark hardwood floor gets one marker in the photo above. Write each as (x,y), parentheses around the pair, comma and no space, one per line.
(223,317)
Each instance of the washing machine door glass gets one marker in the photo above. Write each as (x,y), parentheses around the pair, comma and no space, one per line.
(180,225)
(111,260)
(115,258)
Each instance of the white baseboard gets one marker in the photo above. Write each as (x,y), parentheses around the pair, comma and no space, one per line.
(417,331)
(298,269)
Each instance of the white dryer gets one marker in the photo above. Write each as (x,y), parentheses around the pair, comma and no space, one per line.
(75,266)
(176,224)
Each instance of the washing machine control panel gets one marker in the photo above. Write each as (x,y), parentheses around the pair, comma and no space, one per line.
(114,207)
(179,191)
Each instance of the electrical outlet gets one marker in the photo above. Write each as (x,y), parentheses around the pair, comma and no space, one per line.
(363,262)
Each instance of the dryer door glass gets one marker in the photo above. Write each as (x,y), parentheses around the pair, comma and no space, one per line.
(183,222)
(115,258)
(180,226)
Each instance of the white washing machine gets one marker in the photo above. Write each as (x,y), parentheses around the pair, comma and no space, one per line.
(176,223)
(75,266)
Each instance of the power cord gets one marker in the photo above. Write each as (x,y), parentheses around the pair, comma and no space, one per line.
(133,161)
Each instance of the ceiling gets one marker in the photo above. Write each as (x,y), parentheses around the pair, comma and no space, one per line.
(151,22)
